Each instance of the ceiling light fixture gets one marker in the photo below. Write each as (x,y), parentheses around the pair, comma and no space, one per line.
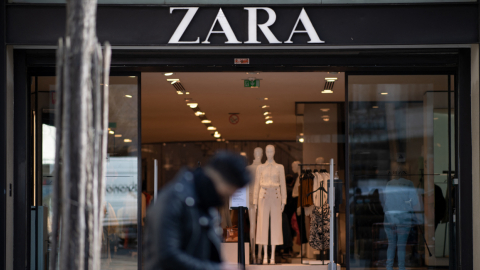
(265,106)
(328,87)
(199,113)
(325,109)
(211,128)
(217,135)
(168,74)
(111,132)
(180,92)
(206,121)
(268,122)
(127,140)
(301,140)
(265,98)
(187,93)
(132,76)
(375,107)
(173,80)
(219,140)
(118,135)
(192,105)
(384,93)
(267,113)
(268,117)
(128,96)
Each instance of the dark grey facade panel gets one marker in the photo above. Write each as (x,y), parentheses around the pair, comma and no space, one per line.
(335,25)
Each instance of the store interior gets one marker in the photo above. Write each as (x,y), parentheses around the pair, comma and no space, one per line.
(187,117)
(398,131)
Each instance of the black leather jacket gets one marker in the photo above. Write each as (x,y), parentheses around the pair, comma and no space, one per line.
(180,235)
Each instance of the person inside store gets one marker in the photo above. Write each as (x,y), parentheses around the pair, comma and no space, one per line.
(182,228)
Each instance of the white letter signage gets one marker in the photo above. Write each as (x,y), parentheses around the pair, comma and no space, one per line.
(252,25)
(309,29)
(183,25)
(226,29)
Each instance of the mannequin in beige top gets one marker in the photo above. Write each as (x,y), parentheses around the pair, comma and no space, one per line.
(252,210)
(270,197)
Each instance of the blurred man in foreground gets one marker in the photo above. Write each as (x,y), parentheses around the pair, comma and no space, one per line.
(182,231)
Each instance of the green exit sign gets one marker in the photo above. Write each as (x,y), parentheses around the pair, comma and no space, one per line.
(251,84)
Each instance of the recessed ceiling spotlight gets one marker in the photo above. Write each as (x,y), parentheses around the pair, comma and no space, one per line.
(173,80)
(217,135)
(132,76)
(212,128)
(192,105)
(187,93)
(199,113)
(268,122)
(189,100)
(325,109)
(326,119)
(128,96)
(127,140)
(301,134)
(267,113)
(219,140)
(330,79)
(265,98)
(265,106)
(206,121)
(327,91)
(301,140)
(268,117)
(168,74)
(375,107)
(111,132)
(118,135)
(180,92)
(384,93)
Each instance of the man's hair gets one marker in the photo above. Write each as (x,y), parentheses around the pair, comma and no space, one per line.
(232,167)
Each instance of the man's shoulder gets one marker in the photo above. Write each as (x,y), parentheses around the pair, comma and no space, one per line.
(176,192)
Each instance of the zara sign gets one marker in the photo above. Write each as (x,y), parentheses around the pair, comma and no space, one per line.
(253,26)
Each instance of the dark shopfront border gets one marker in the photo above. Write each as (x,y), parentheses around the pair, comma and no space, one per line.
(447,61)
(337,25)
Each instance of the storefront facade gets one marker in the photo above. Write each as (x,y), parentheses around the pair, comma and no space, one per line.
(427,50)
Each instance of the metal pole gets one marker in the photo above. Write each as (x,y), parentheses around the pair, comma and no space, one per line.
(155,180)
(332,265)
(241,242)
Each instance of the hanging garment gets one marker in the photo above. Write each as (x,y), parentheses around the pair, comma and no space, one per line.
(306,188)
(320,228)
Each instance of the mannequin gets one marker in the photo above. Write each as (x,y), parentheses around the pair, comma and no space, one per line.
(270,197)
(252,211)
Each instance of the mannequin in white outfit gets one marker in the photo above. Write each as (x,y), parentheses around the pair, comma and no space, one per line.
(252,211)
(270,196)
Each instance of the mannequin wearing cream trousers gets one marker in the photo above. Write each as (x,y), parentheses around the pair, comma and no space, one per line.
(252,211)
(270,196)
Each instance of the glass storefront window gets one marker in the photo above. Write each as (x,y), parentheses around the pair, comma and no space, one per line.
(119,242)
(399,164)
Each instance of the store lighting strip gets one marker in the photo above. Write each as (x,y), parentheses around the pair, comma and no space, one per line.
(204,120)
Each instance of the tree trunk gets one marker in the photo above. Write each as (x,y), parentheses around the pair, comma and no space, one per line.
(81,141)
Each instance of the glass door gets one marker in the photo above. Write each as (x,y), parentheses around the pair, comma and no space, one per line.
(121,231)
(401,162)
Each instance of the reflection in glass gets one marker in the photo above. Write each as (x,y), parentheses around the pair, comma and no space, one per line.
(399,162)
(119,240)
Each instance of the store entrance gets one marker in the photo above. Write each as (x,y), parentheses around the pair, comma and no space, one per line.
(187,117)
(392,139)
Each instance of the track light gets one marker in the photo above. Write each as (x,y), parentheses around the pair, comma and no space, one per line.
(206,121)
(268,122)
(192,105)
(211,128)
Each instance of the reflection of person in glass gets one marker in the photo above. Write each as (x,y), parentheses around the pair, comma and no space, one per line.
(400,198)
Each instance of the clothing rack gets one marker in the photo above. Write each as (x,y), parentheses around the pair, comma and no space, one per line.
(302,165)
